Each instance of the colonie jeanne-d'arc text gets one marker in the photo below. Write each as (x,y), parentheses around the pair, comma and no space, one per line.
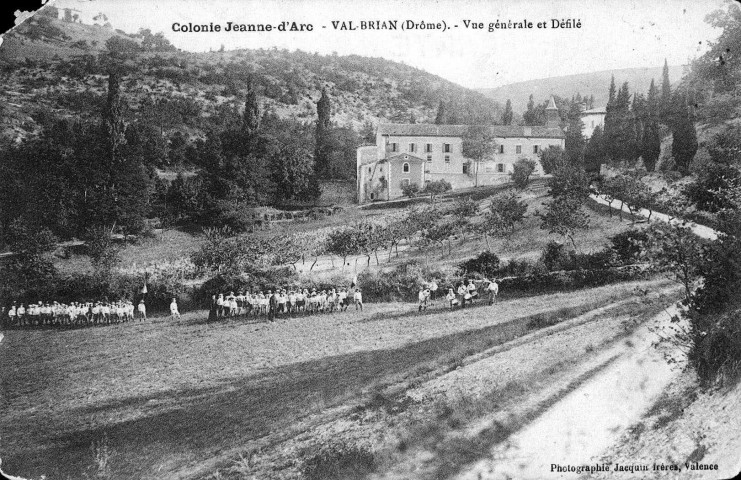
(241,27)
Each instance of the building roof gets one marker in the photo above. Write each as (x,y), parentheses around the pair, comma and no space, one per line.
(593,111)
(432,130)
(551,104)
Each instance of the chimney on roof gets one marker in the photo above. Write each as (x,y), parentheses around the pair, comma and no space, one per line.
(552,119)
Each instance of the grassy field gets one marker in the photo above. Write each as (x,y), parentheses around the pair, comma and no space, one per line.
(165,396)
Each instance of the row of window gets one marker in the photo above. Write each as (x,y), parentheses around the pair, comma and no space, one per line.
(499,168)
(412,148)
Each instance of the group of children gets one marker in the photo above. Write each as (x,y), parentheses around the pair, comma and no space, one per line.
(78,313)
(72,314)
(284,301)
(464,293)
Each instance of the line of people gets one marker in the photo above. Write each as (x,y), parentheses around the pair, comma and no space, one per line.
(458,297)
(58,314)
(284,301)
(73,314)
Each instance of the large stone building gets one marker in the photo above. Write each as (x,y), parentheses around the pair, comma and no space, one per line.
(420,153)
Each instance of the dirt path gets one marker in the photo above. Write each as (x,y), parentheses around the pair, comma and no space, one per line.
(587,421)
(700,230)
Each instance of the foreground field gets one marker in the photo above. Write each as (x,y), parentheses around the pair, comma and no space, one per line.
(182,399)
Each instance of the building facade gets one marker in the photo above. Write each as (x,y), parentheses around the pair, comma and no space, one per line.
(592,118)
(422,153)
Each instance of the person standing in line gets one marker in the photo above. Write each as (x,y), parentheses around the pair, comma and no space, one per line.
(451,298)
(422,299)
(493,289)
(212,310)
(358,299)
(462,293)
(174,312)
(12,315)
(220,305)
(472,291)
(433,290)
(141,308)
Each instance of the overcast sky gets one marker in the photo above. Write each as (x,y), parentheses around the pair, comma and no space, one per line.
(613,34)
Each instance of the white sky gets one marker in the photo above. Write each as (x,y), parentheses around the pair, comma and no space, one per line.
(614,34)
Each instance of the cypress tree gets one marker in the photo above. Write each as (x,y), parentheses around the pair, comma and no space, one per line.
(440,117)
(251,117)
(665,103)
(684,141)
(507,115)
(322,135)
(651,141)
(113,119)
(574,143)
(638,111)
(594,152)
(610,133)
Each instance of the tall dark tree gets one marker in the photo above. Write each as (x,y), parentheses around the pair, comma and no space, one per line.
(619,132)
(665,102)
(684,135)
(651,141)
(594,152)
(322,134)
(639,111)
(507,115)
(575,142)
(113,120)
(251,117)
(440,118)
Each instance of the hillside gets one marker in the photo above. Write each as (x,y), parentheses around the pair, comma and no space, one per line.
(594,83)
(54,64)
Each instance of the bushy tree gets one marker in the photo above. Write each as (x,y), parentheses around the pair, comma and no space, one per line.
(706,192)
(30,272)
(479,143)
(435,188)
(521,171)
(551,158)
(505,212)
(410,189)
(564,216)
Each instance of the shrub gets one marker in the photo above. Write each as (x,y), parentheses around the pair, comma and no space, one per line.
(555,256)
(401,284)
(628,245)
(539,282)
(409,189)
(716,345)
(486,263)
(339,461)
(517,268)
